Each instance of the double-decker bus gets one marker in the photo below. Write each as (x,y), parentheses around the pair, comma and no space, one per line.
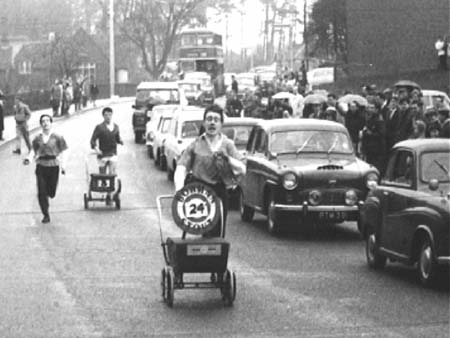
(201,50)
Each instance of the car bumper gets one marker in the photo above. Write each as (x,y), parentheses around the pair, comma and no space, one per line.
(443,260)
(344,212)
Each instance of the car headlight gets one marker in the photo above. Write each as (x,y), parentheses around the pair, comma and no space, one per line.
(371,180)
(290,181)
(150,136)
(314,197)
(351,198)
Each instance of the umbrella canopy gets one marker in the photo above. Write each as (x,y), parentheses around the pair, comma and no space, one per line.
(362,101)
(283,95)
(315,99)
(407,83)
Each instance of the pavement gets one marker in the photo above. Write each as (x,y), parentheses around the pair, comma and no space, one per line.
(9,132)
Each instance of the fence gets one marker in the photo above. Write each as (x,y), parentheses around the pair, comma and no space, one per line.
(40,99)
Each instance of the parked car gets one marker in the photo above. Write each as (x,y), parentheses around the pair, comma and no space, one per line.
(406,217)
(206,85)
(158,112)
(433,98)
(305,170)
(148,95)
(184,129)
(246,82)
(192,91)
(160,138)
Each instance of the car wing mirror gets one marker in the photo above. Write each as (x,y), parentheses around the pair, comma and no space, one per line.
(133,106)
(433,184)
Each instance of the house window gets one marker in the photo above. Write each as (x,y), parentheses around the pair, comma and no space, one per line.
(87,70)
(25,67)
(122,76)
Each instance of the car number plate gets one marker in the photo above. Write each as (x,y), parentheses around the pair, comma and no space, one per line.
(204,250)
(330,215)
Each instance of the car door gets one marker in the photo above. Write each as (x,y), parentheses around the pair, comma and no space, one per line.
(260,166)
(249,181)
(400,186)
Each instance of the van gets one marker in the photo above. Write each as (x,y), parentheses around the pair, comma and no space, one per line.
(148,95)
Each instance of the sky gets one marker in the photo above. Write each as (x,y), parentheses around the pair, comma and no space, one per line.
(243,30)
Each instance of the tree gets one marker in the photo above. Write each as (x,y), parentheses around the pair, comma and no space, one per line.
(329,29)
(153,26)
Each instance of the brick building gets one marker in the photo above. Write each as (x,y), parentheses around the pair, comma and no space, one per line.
(394,37)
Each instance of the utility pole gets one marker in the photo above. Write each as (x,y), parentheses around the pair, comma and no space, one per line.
(305,35)
(266,34)
(112,66)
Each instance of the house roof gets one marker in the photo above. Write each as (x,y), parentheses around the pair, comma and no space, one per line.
(36,52)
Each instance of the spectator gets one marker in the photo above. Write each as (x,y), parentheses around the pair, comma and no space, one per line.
(444,122)
(373,138)
(419,129)
(56,93)
(93,90)
(441,48)
(234,84)
(354,121)
(22,114)
(433,129)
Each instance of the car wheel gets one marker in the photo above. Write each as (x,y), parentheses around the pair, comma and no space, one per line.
(245,211)
(170,173)
(150,151)
(163,163)
(273,217)
(427,265)
(157,158)
(138,136)
(374,259)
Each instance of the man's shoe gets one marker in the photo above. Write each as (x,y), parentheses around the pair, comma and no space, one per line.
(17,151)
(46,219)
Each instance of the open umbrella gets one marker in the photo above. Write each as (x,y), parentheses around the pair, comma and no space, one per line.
(362,101)
(407,83)
(315,99)
(283,95)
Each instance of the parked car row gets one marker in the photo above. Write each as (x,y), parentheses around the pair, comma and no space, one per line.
(302,172)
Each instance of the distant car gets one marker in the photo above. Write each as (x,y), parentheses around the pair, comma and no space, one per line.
(246,82)
(148,95)
(152,125)
(432,98)
(184,128)
(407,217)
(304,170)
(266,76)
(206,85)
(192,91)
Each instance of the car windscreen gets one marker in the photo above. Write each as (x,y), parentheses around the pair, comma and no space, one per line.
(435,165)
(165,125)
(189,87)
(306,141)
(246,81)
(190,129)
(239,134)
(158,95)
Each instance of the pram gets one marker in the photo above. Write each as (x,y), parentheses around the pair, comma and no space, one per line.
(195,210)
(101,187)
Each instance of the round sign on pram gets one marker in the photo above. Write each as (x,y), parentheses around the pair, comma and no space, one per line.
(196,209)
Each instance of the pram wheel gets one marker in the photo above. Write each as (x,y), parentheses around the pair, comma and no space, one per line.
(117,201)
(163,284)
(170,286)
(229,287)
(86,201)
